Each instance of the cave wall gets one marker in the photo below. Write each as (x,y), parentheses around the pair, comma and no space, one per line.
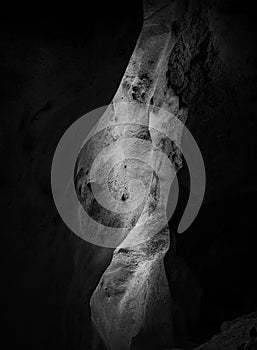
(58,64)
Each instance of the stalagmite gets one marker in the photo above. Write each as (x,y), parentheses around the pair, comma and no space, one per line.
(133,296)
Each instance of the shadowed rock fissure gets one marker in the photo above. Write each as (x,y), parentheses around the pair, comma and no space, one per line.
(175,65)
(134,288)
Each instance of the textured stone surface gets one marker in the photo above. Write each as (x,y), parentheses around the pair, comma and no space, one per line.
(56,67)
(134,288)
(239,334)
(193,66)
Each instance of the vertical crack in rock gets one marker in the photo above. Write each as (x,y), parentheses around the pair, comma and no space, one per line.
(133,293)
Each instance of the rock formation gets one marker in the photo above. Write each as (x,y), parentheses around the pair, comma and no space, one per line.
(133,294)
(239,334)
(201,75)
(58,64)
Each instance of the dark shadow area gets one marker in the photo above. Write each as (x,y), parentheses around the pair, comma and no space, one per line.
(220,248)
(218,252)
(58,61)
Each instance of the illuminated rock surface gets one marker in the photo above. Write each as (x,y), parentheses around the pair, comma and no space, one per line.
(134,288)
(57,65)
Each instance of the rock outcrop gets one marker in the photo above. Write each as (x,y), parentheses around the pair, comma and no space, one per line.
(134,288)
(201,76)
(239,334)
(60,63)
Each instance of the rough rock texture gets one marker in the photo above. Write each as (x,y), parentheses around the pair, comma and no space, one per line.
(58,64)
(203,78)
(134,288)
(215,62)
(239,334)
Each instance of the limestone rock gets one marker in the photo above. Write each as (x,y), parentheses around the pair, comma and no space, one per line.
(134,288)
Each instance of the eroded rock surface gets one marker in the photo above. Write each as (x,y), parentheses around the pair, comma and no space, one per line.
(134,288)
(201,76)
(239,334)
(52,72)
